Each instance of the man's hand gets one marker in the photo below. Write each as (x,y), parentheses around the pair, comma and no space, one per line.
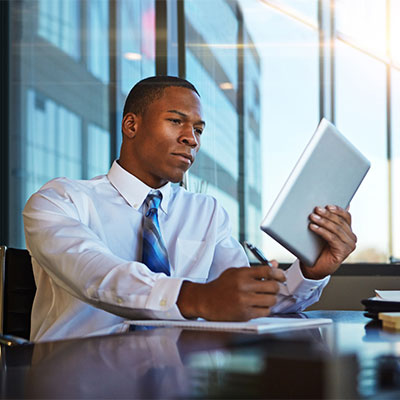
(238,294)
(333,224)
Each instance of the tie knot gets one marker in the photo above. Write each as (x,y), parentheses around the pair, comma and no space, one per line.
(153,201)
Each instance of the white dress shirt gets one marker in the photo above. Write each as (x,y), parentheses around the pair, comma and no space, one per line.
(85,241)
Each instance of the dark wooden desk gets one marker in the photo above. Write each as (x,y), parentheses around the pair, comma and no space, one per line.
(348,359)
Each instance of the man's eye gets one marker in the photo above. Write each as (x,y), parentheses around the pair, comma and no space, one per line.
(198,131)
(175,120)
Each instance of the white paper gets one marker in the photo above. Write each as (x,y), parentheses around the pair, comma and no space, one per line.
(258,325)
(388,295)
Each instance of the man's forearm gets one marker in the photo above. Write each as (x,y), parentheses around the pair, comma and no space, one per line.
(189,300)
(238,294)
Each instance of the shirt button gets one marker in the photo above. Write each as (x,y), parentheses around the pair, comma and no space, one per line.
(163,303)
(135,205)
(119,300)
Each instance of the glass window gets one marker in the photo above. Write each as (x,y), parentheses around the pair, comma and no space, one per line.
(303,9)
(136,41)
(212,66)
(252,140)
(204,32)
(97,43)
(361,115)
(136,50)
(395,164)
(59,23)
(289,106)
(363,22)
(394,16)
(60,109)
(98,151)
(257,66)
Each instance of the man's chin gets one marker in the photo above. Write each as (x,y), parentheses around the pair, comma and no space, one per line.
(177,176)
(176,179)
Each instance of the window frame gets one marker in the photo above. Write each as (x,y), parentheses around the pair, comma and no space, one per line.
(171,14)
(4,118)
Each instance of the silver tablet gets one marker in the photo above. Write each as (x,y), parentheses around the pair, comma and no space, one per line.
(329,171)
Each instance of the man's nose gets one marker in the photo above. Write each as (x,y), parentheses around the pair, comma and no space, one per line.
(189,137)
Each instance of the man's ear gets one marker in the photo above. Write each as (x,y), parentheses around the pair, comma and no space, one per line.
(129,125)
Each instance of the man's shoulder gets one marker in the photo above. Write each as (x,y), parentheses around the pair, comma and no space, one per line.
(68,186)
(67,194)
(201,199)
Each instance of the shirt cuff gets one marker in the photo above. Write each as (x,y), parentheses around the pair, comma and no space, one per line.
(299,286)
(163,298)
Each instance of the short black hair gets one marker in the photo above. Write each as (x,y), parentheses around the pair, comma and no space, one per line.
(150,89)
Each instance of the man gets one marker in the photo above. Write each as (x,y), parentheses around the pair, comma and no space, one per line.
(131,245)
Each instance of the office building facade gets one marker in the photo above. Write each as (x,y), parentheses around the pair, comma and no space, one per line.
(73,63)
(267,71)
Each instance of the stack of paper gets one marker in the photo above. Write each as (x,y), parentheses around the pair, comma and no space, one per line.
(390,320)
(258,325)
(388,295)
(384,301)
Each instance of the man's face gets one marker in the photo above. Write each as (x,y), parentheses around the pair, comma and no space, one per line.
(166,137)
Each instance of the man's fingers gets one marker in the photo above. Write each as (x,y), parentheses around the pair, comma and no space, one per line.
(335,240)
(334,220)
(274,263)
(254,299)
(276,274)
(266,272)
(330,231)
(335,214)
(259,312)
(266,286)
(237,294)
(263,300)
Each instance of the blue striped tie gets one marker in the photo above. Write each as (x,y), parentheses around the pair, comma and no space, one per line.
(154,254)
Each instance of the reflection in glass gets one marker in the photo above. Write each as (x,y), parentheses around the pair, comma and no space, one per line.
(136,42)
(363,22)
(53,144)
(252,140)
(289,103)
(394,16)
(59,113)
(361,116)
(258,76)
(97,44)
(59,23)
(212,66)
(395,164)
(98,151)
(303,9)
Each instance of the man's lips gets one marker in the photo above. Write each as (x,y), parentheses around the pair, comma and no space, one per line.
(188,158)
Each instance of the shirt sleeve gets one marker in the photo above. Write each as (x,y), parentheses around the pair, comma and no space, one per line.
(228,251)
(298,292)
(77,260)
(294,296)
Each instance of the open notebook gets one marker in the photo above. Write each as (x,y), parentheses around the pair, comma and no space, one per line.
(258,325)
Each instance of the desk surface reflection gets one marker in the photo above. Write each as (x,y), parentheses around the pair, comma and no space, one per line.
(342,360)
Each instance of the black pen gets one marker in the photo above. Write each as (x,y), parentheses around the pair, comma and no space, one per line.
(260,256)
(257,254)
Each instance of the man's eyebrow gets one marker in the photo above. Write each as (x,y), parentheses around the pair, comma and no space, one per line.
(183,115)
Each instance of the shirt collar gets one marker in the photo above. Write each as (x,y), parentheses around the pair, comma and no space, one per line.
(133,190)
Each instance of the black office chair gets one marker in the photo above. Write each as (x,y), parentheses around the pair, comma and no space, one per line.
(17,290)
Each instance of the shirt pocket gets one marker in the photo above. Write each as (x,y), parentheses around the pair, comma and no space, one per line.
(193,259)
